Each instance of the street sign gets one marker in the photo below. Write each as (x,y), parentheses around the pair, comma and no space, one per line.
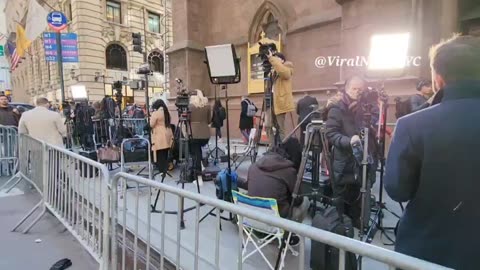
(69,47)
(57,20)
(2,52)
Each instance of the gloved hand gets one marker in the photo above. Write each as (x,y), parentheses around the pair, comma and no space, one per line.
(355,138)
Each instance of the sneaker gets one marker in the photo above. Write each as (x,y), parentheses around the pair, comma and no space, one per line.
(294,240)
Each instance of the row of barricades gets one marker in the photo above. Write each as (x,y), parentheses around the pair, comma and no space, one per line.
(105,130)
(115,224)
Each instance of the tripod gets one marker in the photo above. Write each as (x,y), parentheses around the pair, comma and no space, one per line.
(381,206)
(216,149)
(228,193)
(185,161)
(314,139)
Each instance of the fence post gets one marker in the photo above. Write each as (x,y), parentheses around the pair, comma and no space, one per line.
(107,214)
(45,191)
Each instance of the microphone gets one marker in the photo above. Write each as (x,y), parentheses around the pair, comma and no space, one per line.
(178,80)
(357,148)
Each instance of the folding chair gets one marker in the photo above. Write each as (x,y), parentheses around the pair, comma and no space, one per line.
(266,206)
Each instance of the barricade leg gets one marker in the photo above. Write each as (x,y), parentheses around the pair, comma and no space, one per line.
(44,210)
(14,185)
(9,181)
(27,216)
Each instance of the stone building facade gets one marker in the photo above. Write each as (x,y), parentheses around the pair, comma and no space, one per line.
(309,29)
(105,49)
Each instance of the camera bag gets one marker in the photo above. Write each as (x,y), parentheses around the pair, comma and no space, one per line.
(325,257)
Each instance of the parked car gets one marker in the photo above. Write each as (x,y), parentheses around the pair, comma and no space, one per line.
(21,107)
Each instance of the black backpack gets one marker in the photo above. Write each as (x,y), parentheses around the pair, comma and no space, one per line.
(325,257)
(402,107)
(222,114)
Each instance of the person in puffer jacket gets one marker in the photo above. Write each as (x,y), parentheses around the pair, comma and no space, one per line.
(274,176)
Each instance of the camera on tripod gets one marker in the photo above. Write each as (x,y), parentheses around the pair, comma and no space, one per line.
(117,86)
(263,52)
(183,97)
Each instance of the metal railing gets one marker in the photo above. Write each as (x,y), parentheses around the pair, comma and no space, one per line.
(30,165)
(8,150)
(77,193)
(105,130)
(141,231)
(73,188)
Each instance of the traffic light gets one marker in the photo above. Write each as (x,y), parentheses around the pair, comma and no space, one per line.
(137,42)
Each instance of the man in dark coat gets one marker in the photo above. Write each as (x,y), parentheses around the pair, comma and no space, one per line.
(305,106)
(433,163)
(8,115)
(345,119)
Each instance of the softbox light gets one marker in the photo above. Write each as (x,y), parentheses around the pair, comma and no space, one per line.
(223,64)
(388,53)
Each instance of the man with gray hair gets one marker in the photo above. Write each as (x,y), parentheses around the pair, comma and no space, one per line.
(43,124)
(433,159)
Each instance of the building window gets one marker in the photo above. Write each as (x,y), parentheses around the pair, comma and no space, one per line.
(114,12)
(116,57)
(67,7)
(155,59)
(153,22)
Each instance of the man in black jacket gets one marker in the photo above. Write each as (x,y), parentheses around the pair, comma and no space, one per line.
(433,159)
(345,119)
(305,106)
(8,115)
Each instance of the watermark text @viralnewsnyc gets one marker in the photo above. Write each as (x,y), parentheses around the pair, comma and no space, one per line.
(357,61)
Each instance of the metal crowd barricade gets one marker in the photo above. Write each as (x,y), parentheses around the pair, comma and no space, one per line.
(135,125)
(73,188)
(76,192)
(31,168)
(103,130)
(127,161)
(8,150)
(134,228)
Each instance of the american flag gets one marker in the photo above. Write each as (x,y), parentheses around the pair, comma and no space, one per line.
(14,57)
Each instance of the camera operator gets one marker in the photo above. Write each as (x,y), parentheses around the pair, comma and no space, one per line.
(345,120)
(200,119)
(433,159)
(282,89)
(274,176)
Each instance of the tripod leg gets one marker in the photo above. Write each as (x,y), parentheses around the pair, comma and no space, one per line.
(154,206)
(163,177)
(198,186)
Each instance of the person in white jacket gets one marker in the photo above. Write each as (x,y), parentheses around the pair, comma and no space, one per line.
(43,124)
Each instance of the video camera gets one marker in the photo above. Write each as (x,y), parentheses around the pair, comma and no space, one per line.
(183,97)
(117,86)
(263,52)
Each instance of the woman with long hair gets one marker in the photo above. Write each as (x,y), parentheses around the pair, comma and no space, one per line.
(162,135)
(200,120)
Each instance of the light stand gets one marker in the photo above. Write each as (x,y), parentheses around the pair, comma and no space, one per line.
(224,68)
(381,136)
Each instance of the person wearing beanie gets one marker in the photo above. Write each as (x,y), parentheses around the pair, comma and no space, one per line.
(425,92)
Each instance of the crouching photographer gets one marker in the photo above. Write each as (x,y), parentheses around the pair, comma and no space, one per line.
(345,119)
(274,176)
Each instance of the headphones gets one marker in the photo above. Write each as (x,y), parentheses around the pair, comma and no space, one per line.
(423,83)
